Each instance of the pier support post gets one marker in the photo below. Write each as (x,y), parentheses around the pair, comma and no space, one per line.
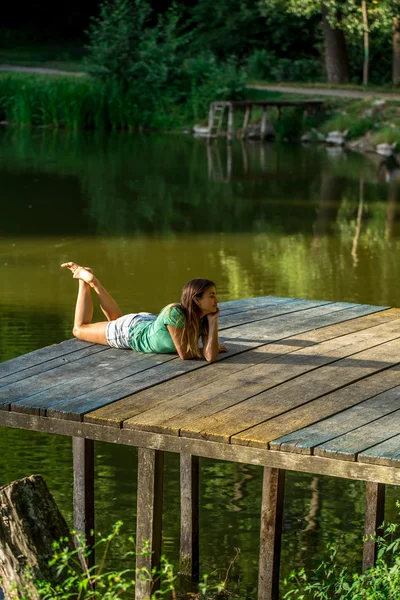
(374,517)
(189,516)
(230,123)
(263,123)
(148,518)
(83,463)
(211,115)
(246,120)
(270,534)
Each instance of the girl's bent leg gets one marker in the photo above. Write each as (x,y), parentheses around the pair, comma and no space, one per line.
(107,303)
(92,332)
(83,328)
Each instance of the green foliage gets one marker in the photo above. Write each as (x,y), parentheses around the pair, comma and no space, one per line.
(356,127)
(387,135)
(115,38)
(241,27)
(79,582)
(155,65)
(331,581)
(267,65)
(90,103)
(97,582)
(291,124)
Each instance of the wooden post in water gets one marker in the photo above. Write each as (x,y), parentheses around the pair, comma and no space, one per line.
(83,463)
(270,533)
(210,121)
(263,123)
(374,517)
(246,120)
(230,123)
(189,516)
(149,518)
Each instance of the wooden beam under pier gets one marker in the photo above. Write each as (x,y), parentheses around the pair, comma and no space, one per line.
(374,518)
(148,519)
(83,464)
(189,543)
(270,533)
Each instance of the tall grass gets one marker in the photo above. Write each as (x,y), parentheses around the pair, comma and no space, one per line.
(87,102)
(78,103)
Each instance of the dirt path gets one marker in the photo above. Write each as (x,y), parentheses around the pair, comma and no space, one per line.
(42,70)
(273,88)
(327,92)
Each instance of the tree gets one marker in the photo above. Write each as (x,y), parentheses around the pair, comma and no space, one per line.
(331,13)
(352,17)
(396,51)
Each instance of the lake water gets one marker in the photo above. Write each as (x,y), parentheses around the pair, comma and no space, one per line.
(148,213)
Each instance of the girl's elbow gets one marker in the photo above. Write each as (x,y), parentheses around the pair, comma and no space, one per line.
(210,358)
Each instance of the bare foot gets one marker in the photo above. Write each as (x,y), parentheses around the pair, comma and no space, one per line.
(78,272)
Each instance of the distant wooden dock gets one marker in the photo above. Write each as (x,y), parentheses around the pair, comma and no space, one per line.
(217,113)
(307,385)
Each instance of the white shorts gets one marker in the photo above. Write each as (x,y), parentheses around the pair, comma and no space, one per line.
(117,332)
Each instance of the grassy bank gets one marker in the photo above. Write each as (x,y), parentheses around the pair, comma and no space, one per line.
(88,103)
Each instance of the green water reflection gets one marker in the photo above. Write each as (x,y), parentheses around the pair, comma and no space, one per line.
(150,212)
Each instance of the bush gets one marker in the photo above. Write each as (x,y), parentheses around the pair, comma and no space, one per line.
(99,583)
(266,65)
(356,127)
(330,581)
(154,65)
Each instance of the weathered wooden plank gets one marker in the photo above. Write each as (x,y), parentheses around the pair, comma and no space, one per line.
(42,360)
(271,312)
(93,371)
(232,306)
(36,357)
(386,453)
(189,542)
(373,520)
(167,391)
(95,376)
(148,519)
(223,391)
(48,365)
(244,336)
(231,421)
(210,449)
(270,533)
(351,443)
(293,430)
(83,464)
(69,401)
(289,384)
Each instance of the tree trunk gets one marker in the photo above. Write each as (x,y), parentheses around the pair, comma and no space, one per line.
(335,51)
(366,42)
(29,524)
(396,51)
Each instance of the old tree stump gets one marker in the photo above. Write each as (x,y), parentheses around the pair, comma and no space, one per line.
(30,522)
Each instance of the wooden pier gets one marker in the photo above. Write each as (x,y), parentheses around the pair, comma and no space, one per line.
(309,386)
(217,110)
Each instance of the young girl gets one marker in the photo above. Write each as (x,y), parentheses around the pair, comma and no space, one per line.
(177,328)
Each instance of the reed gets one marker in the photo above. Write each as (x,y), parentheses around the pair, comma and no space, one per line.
(74,103)
(89,102)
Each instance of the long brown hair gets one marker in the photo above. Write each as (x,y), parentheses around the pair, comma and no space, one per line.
(192,290)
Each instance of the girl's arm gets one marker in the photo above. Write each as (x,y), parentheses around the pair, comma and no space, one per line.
(176,335)
(210,341)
